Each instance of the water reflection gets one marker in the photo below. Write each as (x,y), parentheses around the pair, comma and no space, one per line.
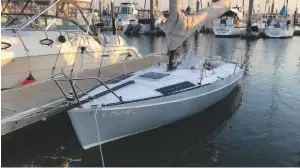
(190,139)
(247,53)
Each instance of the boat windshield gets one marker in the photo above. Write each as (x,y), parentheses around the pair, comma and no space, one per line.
(44,22)
(126,10)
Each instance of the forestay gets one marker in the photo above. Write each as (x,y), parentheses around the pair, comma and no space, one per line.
(179,26)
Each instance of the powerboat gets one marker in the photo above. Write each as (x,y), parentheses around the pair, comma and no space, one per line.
(126,14)
(36,46)
(143,24)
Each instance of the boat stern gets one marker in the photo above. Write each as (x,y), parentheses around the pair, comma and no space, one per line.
(278,32)
(228,31)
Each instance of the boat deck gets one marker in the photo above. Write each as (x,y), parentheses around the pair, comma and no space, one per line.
(156,82)
(45,97)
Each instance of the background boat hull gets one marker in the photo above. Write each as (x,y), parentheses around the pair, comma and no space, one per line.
(17,70)
(225,31)
(278,33)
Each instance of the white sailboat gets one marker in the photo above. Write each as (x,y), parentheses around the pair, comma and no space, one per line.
(36,46)
(230,24)
(158,95)
(279,27)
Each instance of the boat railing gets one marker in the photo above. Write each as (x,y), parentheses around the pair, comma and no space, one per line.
(41,96)
(237,60)
(74,95)
(238,57)
(76,91)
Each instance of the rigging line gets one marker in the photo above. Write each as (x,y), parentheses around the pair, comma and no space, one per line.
(5,7)
(104,46)
(93,9)
(91,17)
(88,29)
(82,58)
(75,59)
(190,56)
(95,109)
(26,50)
(18,14)
(77,51)
(53,69)
(210,35)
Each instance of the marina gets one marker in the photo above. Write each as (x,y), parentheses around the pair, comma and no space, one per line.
(260,116)
(129,87)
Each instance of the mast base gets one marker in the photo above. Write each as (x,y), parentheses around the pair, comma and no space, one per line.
(172,60)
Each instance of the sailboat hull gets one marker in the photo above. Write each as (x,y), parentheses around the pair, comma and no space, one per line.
(278,32)
(120,121)
(228,31)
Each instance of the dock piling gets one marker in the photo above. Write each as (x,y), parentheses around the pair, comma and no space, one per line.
(113,17)
(198,5)
(272,8)
(152,15)
(100,9)
(249,19)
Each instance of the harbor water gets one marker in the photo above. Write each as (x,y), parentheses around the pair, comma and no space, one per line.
(258,124)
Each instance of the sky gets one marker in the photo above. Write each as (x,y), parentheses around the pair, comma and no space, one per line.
(164,4)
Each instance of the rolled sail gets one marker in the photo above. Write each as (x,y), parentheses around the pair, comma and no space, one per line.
(179,26)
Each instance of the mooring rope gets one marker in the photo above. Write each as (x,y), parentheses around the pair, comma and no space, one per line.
(95,108)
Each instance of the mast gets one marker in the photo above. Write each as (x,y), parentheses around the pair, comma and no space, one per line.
(100,9)
(113,16)
(198,5)
(296,14)
(152,15)
(249,20)
(243,8)
(201,4)
(272,8)
(287,2)
(266,4)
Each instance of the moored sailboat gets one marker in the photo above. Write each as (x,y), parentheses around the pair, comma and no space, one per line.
(229,24)
(126,14)
(158,95)
(281,26)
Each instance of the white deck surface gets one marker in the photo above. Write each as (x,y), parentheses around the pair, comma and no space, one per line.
(145,88)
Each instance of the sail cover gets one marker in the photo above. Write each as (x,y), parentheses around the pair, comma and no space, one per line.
(179,26)
(283,11)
